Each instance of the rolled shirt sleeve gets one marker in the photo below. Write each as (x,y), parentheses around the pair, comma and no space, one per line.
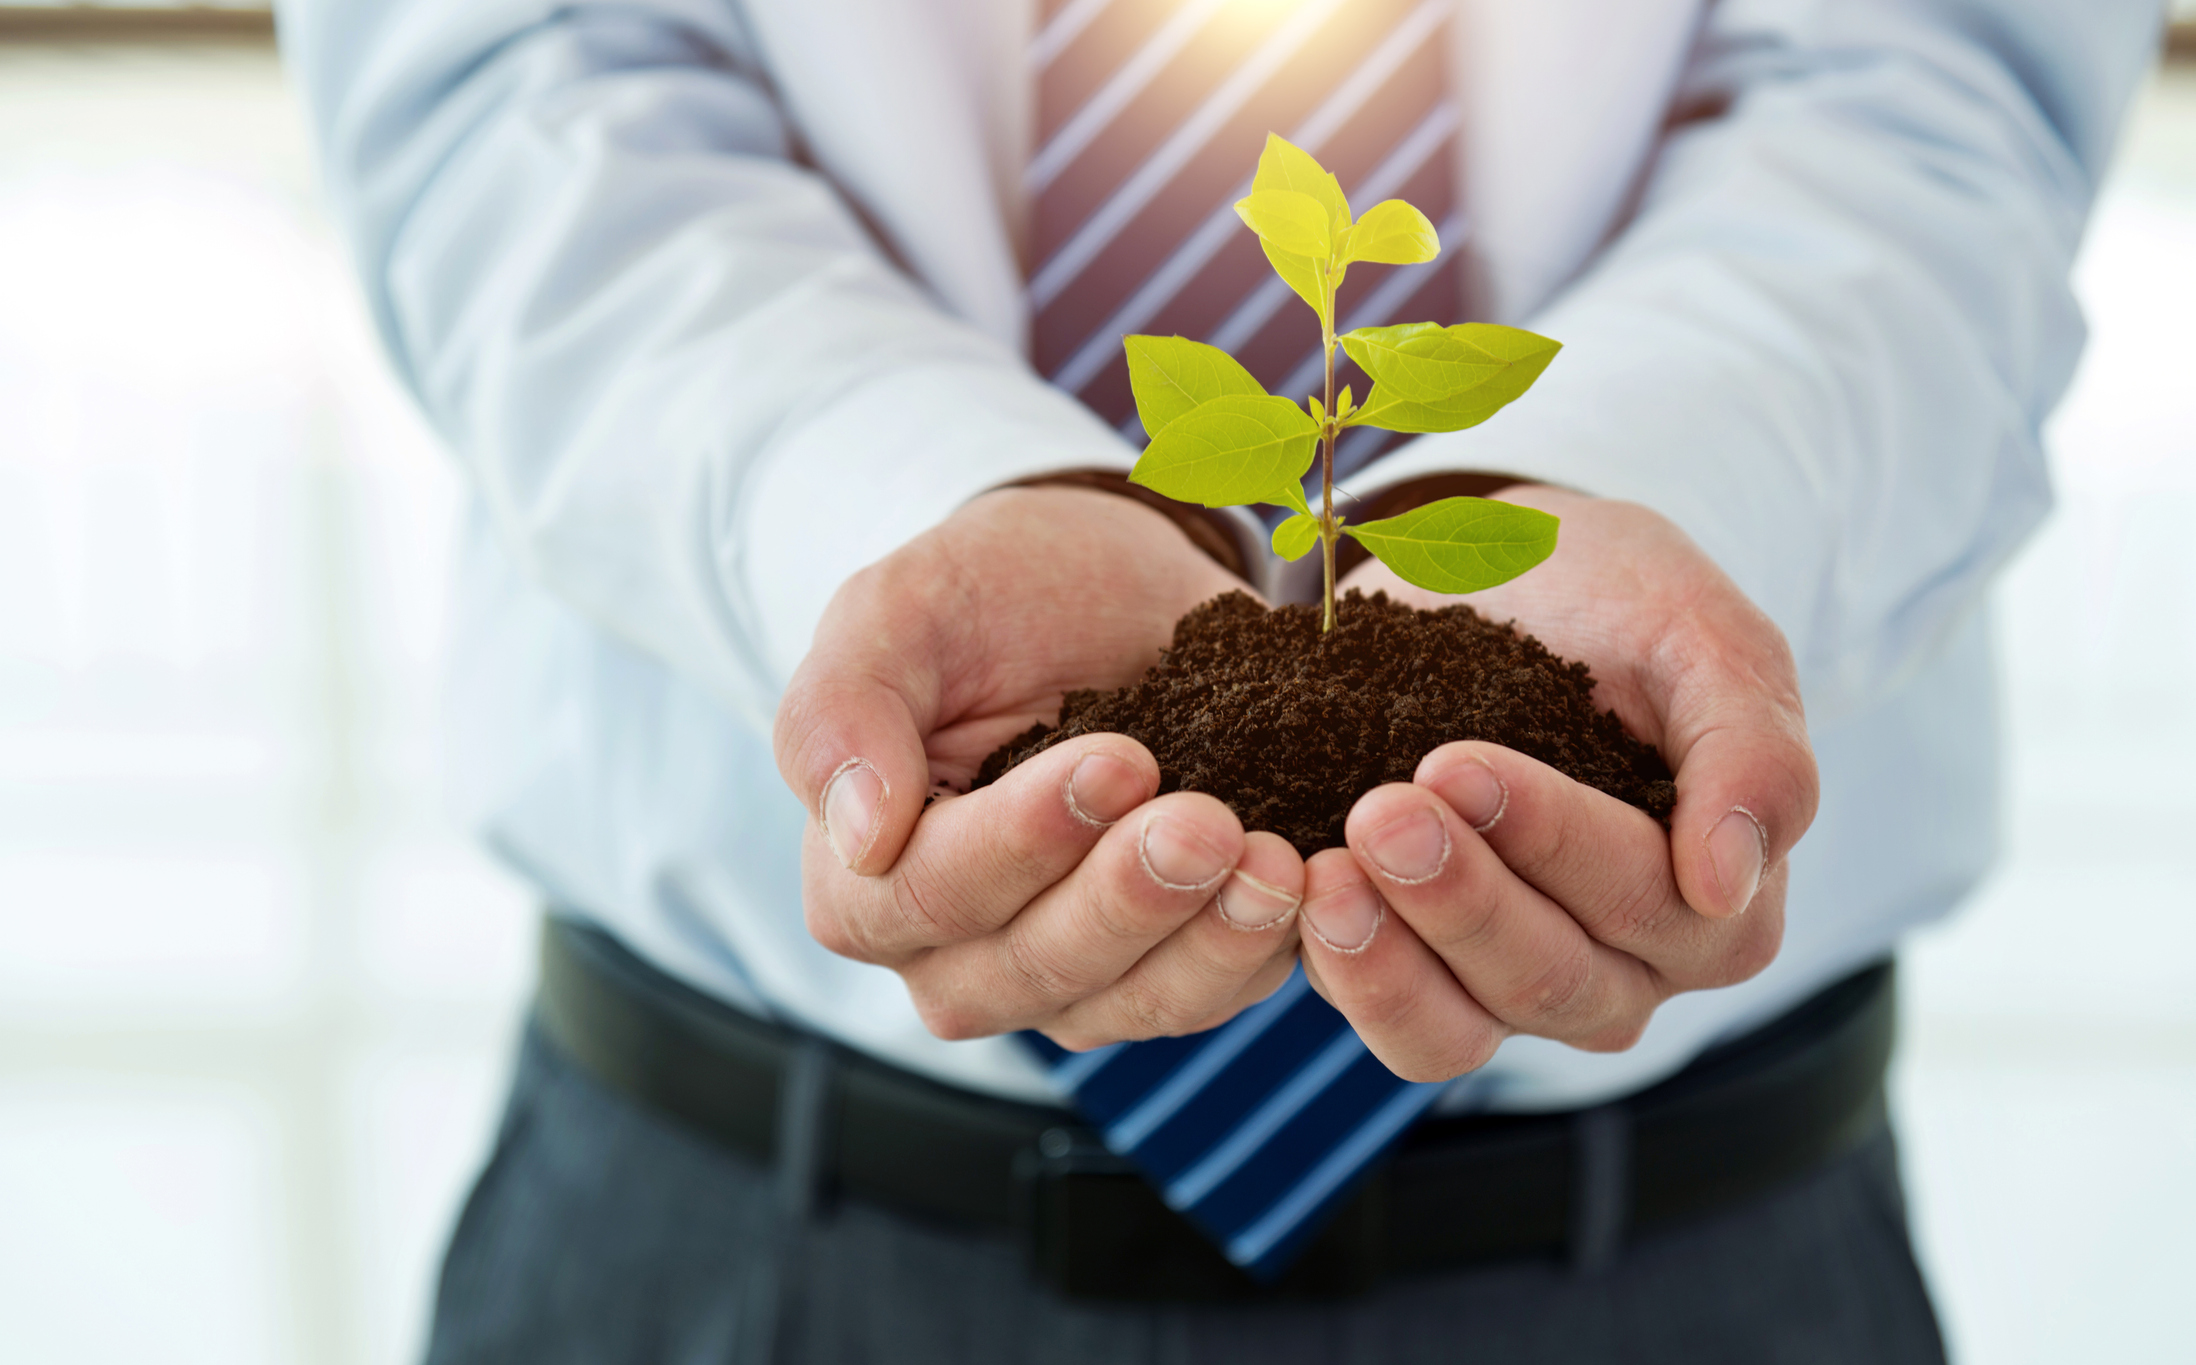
(691,390)
(1826,341)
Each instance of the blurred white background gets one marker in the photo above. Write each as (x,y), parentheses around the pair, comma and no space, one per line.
(256,995)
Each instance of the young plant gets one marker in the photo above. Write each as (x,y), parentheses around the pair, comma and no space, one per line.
(1218,438)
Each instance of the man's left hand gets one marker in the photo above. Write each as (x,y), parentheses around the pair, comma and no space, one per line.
(1525,902)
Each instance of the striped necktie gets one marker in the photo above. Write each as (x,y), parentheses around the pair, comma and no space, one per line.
(1151,114)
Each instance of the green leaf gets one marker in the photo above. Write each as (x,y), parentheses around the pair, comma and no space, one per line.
(1292,497)
(1302,275)
(1171,375)
(1452,414)
(1231,451)
(1291,220)
(1293,538)
(1444,378)
(1393,233)
(1419,361)
(1460,544)
(1285,166)
(1512,344)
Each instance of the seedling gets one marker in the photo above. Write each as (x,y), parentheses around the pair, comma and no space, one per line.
(1218,438)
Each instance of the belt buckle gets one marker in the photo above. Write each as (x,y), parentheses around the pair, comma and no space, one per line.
(1094,1228)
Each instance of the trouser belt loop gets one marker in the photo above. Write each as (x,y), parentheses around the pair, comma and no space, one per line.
(802,1135)
(801,1130)
(1601,1186)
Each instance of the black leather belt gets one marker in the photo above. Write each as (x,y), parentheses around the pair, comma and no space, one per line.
(1742,1119)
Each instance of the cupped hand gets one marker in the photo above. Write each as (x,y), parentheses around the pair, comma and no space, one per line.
(1492,895)
(1062,897)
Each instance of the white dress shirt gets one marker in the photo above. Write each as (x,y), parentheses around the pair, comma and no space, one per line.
(717,301)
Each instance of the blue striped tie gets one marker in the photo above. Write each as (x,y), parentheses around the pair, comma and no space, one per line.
(1257,1130)
(1150,114)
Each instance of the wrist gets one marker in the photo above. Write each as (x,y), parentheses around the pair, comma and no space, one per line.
(1210,531)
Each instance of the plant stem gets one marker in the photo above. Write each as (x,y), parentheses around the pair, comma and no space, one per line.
(1330,532)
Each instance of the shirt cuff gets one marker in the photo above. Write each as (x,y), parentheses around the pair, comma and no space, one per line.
(1606,424)
(1232,542)
(884,464)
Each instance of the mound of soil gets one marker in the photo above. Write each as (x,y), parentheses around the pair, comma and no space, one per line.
(1290,727)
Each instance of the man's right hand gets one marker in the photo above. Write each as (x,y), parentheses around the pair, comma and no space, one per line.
(1062,897)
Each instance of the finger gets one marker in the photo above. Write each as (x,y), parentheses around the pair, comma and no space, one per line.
(1147,876)
(1514,950)
(976,860)
(1264,983)
(849,731)
(1735,735)
(1194,974)
(1606,863)
(1394,990)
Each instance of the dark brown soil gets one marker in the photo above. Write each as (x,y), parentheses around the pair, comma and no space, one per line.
(1290,728)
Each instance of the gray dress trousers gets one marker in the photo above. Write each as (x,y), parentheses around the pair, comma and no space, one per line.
(602,1233)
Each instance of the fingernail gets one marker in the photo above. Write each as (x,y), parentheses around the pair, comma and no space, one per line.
(1737,848)
(851,802)
(1346,918)
(1410,849)
(1478,795)
(1102,789)
(1248,903)
(1177,857)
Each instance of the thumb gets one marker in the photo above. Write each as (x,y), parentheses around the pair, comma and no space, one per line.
(1736,736)
(849,731)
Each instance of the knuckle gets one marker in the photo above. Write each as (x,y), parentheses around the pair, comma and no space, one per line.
(1468,1050)
(951,1019)
(1732,951)
(1477,1048)
(1148,1013)
(923,910)
(1382,1006)
(1076,1040)
(837,934)
(1122,924)
(1423,1071)
(1012,862)
(1638,911)
(1562,990)
(1129,909)
(1463,923)
(1032,974)
(953,1025)
(1754,948)
(1615,1038)
(1216,1018)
